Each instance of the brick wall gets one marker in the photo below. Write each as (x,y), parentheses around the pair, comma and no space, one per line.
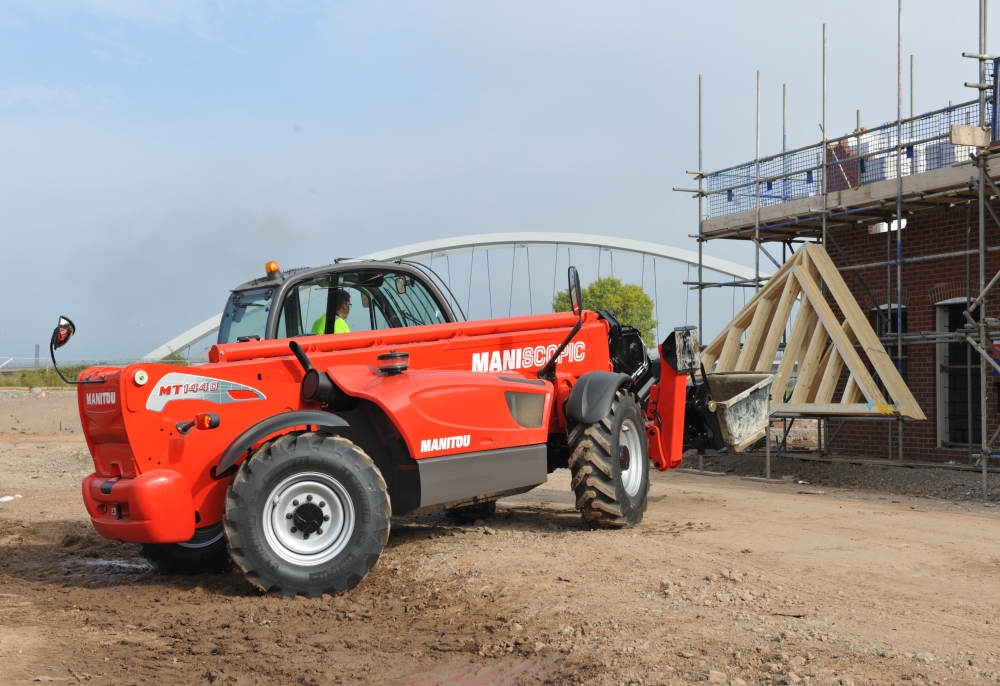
(924,284)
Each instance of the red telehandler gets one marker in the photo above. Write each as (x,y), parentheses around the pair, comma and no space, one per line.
(291,448)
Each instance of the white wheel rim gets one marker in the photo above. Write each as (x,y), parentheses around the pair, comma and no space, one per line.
(307,497)
(632,462)
(207,537)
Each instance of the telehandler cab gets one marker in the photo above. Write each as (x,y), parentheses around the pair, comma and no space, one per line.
(291,449)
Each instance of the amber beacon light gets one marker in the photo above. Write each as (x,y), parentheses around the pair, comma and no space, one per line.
(272,268)
(393,363)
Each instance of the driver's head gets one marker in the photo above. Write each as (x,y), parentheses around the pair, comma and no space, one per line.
(341,303)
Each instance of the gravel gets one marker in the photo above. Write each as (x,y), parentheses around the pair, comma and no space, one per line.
(925,482)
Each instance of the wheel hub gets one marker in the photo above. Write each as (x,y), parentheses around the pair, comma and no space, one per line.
(309,518)
(625,457)
(629,447)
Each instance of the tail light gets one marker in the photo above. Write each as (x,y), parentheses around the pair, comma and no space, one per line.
(206,420)
(202,420)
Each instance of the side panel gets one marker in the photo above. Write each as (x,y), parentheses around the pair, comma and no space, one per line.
(446,413)
(458,477)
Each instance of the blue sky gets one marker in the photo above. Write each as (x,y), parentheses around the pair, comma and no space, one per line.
(154,154)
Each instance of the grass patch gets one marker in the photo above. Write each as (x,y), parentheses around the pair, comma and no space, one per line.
(48,378)
(38,377)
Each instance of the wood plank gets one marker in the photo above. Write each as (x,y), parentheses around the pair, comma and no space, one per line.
(755,334)
(844,346)
(822,409)
(707,360)
(715,347)
(831,373)
(809,364)
(852,393)
(873,348)
(831,351)
(731,350)
(776,281)
(779,321)
(803,326)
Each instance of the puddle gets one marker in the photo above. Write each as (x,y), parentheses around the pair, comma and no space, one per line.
(119,564)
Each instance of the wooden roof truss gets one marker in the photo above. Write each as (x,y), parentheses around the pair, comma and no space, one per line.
(818,348)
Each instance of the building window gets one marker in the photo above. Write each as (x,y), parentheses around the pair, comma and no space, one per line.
(885,325)
(958,419)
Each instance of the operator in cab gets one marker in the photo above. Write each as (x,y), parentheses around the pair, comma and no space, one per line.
(342,308)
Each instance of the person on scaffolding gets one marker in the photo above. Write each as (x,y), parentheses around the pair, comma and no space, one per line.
(341,308)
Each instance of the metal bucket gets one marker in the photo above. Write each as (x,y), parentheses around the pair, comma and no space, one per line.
(743,402)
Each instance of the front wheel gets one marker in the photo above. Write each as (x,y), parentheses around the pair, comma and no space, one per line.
(609,463)
(205,553)
(307,514)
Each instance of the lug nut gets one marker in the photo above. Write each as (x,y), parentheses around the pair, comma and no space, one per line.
(309,498)
(322,503)
(288,516)
(326,518)
(295,503)
(319,531)
(294,529)
(305,535)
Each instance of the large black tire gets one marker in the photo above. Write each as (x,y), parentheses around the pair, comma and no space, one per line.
(609,462)
(205,553)
(466,514)
(279,509)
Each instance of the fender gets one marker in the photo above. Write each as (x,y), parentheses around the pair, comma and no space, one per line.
(265,428)
(591,397)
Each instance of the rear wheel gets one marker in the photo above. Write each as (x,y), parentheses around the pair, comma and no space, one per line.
(610,466)
(205,553)
(307,514)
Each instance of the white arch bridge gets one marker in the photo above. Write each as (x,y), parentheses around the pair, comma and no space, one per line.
(504,274)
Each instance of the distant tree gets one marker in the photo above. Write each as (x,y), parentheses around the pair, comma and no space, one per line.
(174,357)
(627,302)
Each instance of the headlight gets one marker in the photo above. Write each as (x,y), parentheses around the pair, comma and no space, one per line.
(526,408)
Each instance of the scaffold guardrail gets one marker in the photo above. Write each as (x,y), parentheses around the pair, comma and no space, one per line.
(860,158)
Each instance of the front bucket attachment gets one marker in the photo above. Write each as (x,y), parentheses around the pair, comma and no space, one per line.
(743,402)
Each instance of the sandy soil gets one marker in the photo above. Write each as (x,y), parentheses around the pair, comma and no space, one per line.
(725,581)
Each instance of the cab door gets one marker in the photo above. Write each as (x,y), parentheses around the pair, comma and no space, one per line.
(376,299)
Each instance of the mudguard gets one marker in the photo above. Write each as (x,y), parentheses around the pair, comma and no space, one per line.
(265,428)
(591,397)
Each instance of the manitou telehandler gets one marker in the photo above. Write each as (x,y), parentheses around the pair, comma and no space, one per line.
(339,397)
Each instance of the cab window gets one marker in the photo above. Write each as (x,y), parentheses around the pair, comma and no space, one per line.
(245,316)
(377,300)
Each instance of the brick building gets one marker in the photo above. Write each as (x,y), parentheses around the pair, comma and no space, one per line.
(933,299)
(780,199)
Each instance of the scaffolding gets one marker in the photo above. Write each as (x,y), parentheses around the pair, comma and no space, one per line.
(878,177)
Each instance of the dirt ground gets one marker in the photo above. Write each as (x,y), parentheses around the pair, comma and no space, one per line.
(725,581)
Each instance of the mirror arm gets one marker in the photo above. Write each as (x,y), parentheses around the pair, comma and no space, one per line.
(548,371)
(52,353)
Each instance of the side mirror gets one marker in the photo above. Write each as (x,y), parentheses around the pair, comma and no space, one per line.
(60,337)
(365,302)
(62,333)
(400,285)
(575,296)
